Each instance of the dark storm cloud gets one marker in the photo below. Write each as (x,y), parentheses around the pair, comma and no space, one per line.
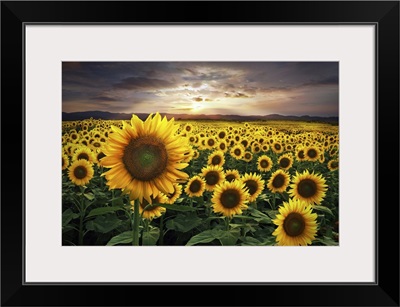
(142,83)
(103,98)
(281,87)
(236,95)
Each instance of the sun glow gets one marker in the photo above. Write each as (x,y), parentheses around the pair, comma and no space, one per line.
(197,106)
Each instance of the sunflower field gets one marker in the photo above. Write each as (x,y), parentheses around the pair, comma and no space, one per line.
(161,181)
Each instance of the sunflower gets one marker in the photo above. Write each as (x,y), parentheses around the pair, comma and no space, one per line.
(244,143)
(99,155)
(210,142)
(84,152)
(213,175)
(300,154)
(222,146)
(277,147)
(264,163)
(188,128)
(145,157)
(172,197)
(195,187)
(265,147)
(64,161)
(255,185)
(151,210)
(308,187)
(237,151)
(297,224)
(231,174)
(279,181)
(221,134)
(230,198)
(216,158)
(248,156)
(256,147)
(80,172)
(312,153)
(333,165)
(285,161)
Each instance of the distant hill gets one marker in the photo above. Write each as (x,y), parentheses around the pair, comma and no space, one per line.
(143,116)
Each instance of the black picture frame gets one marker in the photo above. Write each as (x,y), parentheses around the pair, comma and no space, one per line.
(383,14)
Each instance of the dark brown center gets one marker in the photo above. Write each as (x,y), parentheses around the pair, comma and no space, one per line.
(284,162)
(216,160)
(212,178)
(252,186)
(294,224)
(145,158)
(264,163)
(80,172)
(278,181)
(83,155)
(230,198)
(312,153)
(307,188)
(195,186)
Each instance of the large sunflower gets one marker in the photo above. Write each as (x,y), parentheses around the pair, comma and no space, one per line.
(230,198)
(254,184)
(216,158)
(297,224)
(264,163)
(80,172)
(195,187)
(145,157)
(308,187)
(279,181)
(151,210)
(213,175)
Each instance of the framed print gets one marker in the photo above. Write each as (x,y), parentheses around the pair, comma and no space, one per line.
(200,152)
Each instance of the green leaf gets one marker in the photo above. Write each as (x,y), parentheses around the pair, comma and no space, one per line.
(67,216)
(259,216)
(117,202)
(103,223)
(123,238)
(327,241)
(103,210)
(228,237)
(89,196)
(203,237)
(177,207)
(323,209)
(151,237)
(225,237)
(184,223)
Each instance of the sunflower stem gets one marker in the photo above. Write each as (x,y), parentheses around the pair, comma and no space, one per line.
(161,239)
(136,221)
(274,202)
(227,220)
(82,215)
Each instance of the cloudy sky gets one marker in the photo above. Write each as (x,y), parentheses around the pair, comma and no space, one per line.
(246,88)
